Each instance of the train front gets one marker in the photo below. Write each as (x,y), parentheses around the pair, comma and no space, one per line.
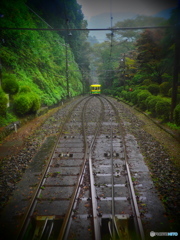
(95,89)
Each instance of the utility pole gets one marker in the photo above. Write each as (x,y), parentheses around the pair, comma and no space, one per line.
(176,63)
(0,72)
(67,71)
(123,59)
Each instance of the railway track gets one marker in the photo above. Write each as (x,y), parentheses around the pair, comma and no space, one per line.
(86,191)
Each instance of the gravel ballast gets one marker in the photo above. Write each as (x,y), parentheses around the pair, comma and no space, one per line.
(153,144)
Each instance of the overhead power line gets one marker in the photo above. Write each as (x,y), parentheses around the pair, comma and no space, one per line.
(39,16)
(84,29)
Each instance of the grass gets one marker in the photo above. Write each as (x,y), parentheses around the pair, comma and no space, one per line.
(133,179)
(173,126)
(10,117)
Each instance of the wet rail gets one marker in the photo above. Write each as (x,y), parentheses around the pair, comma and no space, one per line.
(86,189)
(106,206)
(50,201)
(124,226)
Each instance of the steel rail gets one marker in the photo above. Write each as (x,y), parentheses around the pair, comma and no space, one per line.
(64,227)
(135,205)
(96,221)
(26,220)
(86,150)
(112,225)
(138,217)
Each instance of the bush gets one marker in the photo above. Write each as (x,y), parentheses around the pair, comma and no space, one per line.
(143,87)
(147,101)
(178,94)
(123,94)
(106,91)
(36,103)
(3,103)
(23,104)
(142,96)
(163,109)
(164,88)
(25,89)
(134,98)
(151,104)
(118,91)
(10,84)
(26,103)
(146,82)
(127,96)
(153,89)
(176,115)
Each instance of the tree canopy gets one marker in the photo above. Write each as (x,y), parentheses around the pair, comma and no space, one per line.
(43,60)
(141,59)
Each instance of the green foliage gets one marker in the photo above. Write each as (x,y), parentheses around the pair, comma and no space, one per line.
(138,21)
(147,101)
(163,109)
(147,82)
(170,92)
(153,89)
(164,88)
(10,117)
(126,95)
(123,94)
(32,101)
(151,102)
(107,91)
(3,103)
(166,77)
(176,115)
(10,84)
(143,87)
(25,89)
(134,96)
(137,79)
(142,96)
(36,103)
(38,57)
(173,126)
(150,54)
(178,94)
(23,104)
(117,91)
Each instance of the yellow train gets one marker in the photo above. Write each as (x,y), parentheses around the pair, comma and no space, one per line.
(95,89)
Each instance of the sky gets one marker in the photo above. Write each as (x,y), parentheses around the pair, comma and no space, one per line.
(98,12)
(92,8)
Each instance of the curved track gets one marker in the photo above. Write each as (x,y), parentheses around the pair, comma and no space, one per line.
(86,188)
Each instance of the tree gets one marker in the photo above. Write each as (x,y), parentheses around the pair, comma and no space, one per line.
(67,15)
(175,20)
(38,58)
(139,21)
(150,57)
(10,84)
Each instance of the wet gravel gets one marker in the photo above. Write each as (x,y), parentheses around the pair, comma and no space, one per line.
(164,174)
(13,166)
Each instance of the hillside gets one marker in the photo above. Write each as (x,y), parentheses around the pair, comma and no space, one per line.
(39,61)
